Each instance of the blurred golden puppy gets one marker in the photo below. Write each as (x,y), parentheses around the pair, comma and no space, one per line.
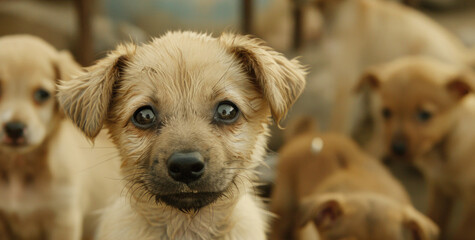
(325,179)
(360,33)
(189,114)
(428,113)
(46,188)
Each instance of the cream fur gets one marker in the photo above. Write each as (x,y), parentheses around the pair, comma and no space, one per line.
(51,187)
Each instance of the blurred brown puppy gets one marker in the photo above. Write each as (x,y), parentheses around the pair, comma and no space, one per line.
(48,174)
(360,33)
(189,114)
(428,111)
(325,179)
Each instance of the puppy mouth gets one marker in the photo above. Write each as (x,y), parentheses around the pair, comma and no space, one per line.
(188,202)
(390,159)
(15,143)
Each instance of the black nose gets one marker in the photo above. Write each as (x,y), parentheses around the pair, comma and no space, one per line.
(186,167)
(15,130)
(399,148)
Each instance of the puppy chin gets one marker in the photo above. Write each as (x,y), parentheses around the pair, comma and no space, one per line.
(189,202)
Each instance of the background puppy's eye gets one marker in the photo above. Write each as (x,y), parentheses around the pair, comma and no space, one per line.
(386,113)
(226,112)
(144,117)
(424,115)
(41,95)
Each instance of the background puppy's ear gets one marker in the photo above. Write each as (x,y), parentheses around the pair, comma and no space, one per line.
(418,226)
(65,66)
(300,125)
(323,210)
(368,81)
(280,80)
(85,99)
(461,85)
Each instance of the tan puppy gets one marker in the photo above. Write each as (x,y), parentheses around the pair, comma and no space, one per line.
(360,33)
(189,114)
(433,126)
(48,178)
(326,179)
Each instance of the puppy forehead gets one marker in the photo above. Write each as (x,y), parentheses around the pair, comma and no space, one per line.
(26,67)
(187,69)
(418,90)
(178,54)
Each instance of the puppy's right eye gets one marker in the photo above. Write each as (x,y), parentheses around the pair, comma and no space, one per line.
(424,115)
(386,113)
(226,112)
(41,95)
(144,117)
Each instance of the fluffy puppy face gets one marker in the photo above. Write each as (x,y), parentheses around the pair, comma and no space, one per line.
(365,216)
(29,69)
(419,100)
(188,112)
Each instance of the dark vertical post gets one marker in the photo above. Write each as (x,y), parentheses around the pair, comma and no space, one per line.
(297,10)
(247,16)
(84,14)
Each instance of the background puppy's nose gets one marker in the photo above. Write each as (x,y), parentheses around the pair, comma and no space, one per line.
(186,167)
(399,148)
(14,130)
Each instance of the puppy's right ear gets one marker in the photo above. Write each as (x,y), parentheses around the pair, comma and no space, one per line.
(86,98)
(324,210)
(461,85)
(369,80)
(65,66)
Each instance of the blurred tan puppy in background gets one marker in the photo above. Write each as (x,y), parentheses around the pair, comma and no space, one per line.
(189,114)
(326,180)
(360,33)
(428,113)
(48,174)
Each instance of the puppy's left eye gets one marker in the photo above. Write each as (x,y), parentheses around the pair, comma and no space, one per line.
(226,112)
(144,117)
(424,116)
(41,95)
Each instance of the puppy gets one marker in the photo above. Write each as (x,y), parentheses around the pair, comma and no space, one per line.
(325,179)
(48,179)
(189,114)
(431,126)
(360,33)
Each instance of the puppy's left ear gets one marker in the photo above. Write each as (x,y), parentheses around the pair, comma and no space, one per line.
(86,98)
(418,226)
(280,80)
(461,85)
